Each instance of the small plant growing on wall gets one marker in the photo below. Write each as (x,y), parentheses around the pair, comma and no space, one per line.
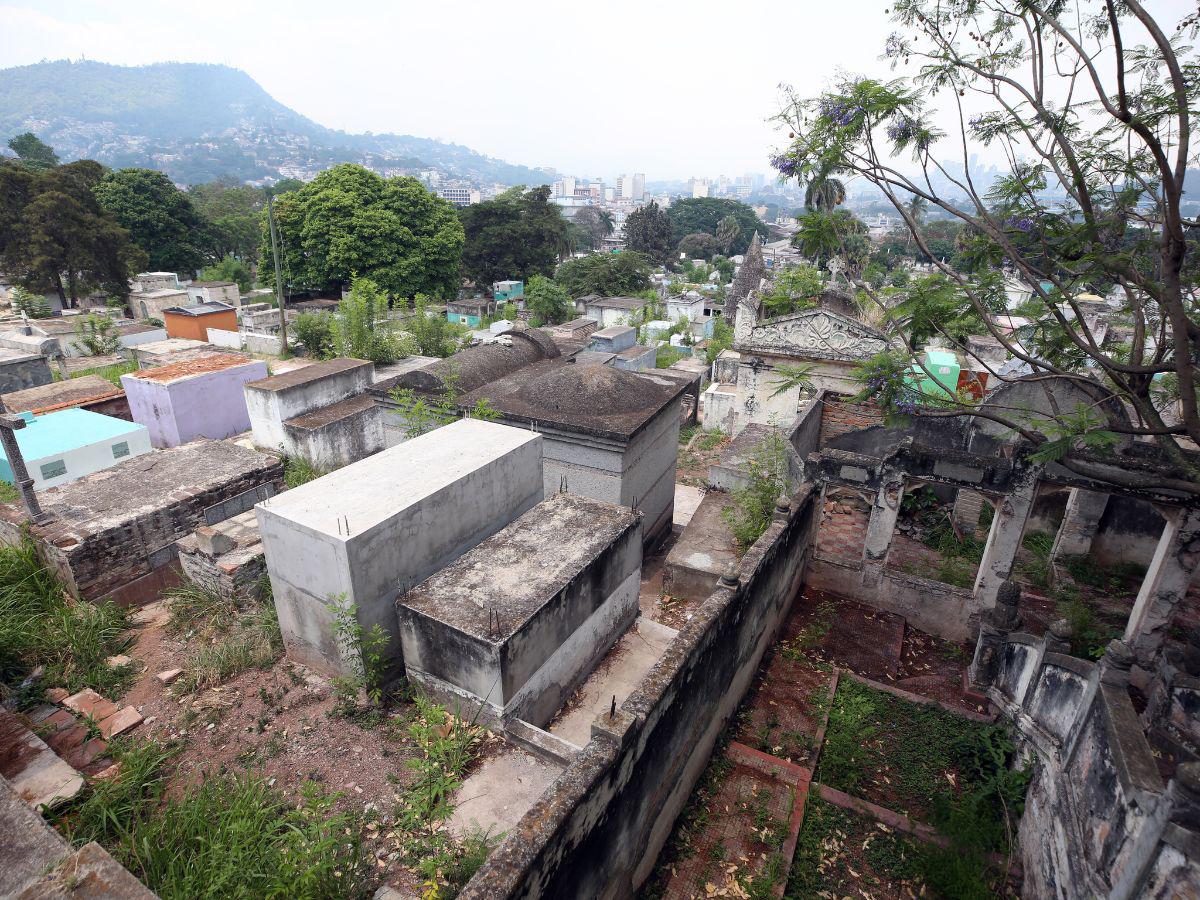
(754,504)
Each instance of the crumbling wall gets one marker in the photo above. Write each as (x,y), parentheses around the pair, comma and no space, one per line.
(840,415)
(1098,820)
(599,828)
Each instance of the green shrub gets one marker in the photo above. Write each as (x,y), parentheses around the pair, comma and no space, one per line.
(754,504)
(41,624)
(313,331)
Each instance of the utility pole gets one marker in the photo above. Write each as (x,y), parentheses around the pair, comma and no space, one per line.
(283,340)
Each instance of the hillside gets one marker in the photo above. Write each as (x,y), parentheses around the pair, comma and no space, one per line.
(199,122)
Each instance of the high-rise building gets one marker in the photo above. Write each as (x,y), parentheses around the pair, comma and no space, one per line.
(639,186)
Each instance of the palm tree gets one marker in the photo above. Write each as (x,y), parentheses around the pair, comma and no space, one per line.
(916,208)
(825,193)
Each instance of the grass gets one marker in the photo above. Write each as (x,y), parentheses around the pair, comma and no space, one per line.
(110,373)
(42,625)
(1090,634)
(227,836)
(926,761)
(1036,567)
(667,356)
(298,471)
(8,493)
(242,631)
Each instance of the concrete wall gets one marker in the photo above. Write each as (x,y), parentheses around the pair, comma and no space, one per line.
(230,340)
(209,405)
(370,531)
(272,404)
(137,338)
(599,828)
(262,343)
(339,435)
(22,372)
(84,460)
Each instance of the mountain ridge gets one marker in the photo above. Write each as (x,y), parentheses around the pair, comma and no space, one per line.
(200,121)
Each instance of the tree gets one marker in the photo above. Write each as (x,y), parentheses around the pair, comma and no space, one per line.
(548,302)
(32,305)
(517,235)
(96,336)
(648,231)
(362,330)
(314,332)
(824,193)
(234,213)
(230,269)
(824,235)
(54,235)
(705,214)
(433,335)
(729,230)
(1091,201)
(33,152)
(350,222)
(606,274)
(596,223)
(699,246)
(158,216)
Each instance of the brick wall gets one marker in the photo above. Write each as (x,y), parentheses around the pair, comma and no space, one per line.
(840,415)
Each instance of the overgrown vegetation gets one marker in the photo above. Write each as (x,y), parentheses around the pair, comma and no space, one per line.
(42,625)
(96,336)
(225,836)
(111,373)
(423,414)
(241,632)
(754,504)
(931,764)
(297,471)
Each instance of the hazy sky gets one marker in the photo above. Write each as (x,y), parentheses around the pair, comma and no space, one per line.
(669,89)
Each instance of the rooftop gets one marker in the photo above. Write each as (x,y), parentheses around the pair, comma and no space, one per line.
(200,309)
(319,418)
(144,484)
(477,366)
(189,368)
(213,284)
(67,429)
(307,375)
(600,400)
(511,574)
(162,292)
(370,491)
(617,302)
(72,391)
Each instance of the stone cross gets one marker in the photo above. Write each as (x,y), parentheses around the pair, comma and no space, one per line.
(8,438)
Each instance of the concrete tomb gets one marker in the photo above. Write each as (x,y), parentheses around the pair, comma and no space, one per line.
(367,532)
(520,620)
(199,398)
(320,413)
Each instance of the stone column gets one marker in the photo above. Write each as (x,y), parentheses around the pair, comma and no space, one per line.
(882,524)
(994,628)
(1080,521)
(968,505)
(1008,526)
(24,484)
(1165,585)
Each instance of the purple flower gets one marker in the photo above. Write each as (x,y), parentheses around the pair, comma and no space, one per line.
(785,164)
(1023,224)
(839,112)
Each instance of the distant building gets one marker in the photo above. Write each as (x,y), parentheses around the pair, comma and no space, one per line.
(62,446)
(215,292)
(151,304)
(509,292)
(193,322)
(459,196)
(613,310)
(471,311)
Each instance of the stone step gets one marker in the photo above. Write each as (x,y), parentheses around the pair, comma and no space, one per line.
(37,774)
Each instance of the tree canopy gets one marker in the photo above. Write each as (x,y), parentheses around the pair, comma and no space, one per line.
(547,301)
(234,215)
(33,152)
(516,235)
(55,235)
(705,214)
(699,246)
(350,222)
(1090,203)
(648,230)
(606,274)
(160,218)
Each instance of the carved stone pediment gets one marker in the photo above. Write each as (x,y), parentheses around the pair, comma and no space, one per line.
(811,334)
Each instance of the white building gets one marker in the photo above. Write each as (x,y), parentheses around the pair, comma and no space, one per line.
(62,446)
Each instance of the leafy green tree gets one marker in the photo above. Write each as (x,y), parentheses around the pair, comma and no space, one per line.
(1091,201)
(724,265)
(648,231)
(434,335)
(96,336)
(32,305)
(696,214)
(230,269)
(282,186)
(729,231)
(362,329)
(699,246)
(547,301)
(516,235)
(33,152)
(350,222)
(824,235)
(54,235)
(234,215)
(606,274)
(824,193)
(792,290)
(596,223)
(159,217)
(314,332)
